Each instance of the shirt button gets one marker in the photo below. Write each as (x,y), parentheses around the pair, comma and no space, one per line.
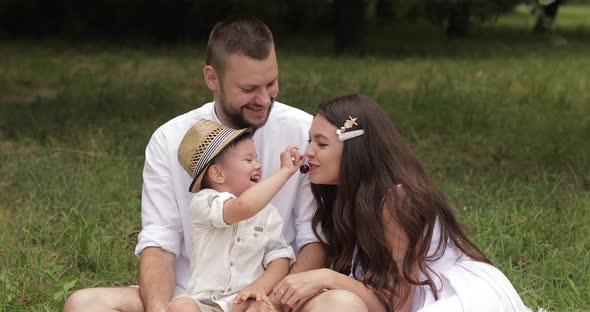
(238,239)
(231,264)
(255,235)
(229,289)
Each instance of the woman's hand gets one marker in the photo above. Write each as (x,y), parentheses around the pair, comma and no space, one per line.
(296,287)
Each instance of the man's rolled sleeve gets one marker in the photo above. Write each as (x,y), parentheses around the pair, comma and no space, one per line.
(303,210)
(161,222)
(158,236)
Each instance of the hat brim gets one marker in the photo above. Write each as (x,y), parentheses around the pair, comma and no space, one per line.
(196,184)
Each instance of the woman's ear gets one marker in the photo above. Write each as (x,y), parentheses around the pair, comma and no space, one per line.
(211,78)
(215,174)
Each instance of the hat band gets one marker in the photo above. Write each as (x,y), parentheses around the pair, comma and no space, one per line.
(210,150)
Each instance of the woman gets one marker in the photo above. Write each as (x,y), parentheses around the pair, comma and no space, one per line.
(392,238)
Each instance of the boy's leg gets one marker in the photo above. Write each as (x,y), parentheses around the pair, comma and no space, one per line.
(105,299)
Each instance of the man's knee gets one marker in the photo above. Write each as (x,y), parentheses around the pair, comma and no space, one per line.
(80,299)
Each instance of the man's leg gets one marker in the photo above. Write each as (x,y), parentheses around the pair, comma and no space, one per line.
(105,299)
(333,300)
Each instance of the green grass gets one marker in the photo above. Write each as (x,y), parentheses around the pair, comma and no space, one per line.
(500,120)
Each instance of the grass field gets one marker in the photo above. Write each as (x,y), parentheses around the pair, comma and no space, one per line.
(500,120)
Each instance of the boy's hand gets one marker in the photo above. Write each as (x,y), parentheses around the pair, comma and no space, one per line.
(254,293)
(291,158)
(252,305)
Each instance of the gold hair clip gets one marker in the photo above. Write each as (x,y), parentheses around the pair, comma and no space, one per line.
(343,135)
(349,123)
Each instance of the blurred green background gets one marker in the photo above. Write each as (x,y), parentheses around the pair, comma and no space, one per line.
(500,117)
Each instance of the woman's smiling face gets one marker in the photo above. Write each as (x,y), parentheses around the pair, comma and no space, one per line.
(324,152)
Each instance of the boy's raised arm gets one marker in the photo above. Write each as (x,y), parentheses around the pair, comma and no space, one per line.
(258,196)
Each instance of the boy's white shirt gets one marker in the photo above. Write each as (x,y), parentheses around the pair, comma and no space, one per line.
(227,258)
(165,197)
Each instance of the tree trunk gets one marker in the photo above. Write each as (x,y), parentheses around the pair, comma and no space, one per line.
(349,26)
(458,22)
(547,17)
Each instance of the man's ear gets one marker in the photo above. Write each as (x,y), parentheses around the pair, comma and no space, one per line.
(211,78)
(215,174)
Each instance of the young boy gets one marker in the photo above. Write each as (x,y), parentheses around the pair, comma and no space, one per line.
(238,251)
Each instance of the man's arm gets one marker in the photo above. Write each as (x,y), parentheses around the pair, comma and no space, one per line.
(157,278)
(159,241)
(312,256)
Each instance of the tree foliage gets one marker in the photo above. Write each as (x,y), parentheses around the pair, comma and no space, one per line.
(155,19)
(172,20)
(456,15)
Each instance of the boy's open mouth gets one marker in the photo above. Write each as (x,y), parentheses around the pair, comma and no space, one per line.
(255,178)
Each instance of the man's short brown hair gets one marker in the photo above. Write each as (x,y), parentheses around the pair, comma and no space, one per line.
(243,35)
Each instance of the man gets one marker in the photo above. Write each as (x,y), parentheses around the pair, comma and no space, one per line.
(242,73)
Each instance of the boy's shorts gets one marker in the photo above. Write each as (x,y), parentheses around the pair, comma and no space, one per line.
(202,306)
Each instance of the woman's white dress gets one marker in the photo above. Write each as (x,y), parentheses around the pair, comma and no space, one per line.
(464,284)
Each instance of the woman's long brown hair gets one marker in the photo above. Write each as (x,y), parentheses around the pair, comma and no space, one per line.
(351,213)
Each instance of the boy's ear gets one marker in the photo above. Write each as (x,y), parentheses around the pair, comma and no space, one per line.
(215,173)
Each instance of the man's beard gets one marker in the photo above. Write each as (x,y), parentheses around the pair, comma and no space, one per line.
(237,119)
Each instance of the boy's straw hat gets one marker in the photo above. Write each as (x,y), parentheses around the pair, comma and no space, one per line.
(201,143)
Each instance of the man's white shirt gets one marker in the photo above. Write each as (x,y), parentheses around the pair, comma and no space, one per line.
(165,197)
